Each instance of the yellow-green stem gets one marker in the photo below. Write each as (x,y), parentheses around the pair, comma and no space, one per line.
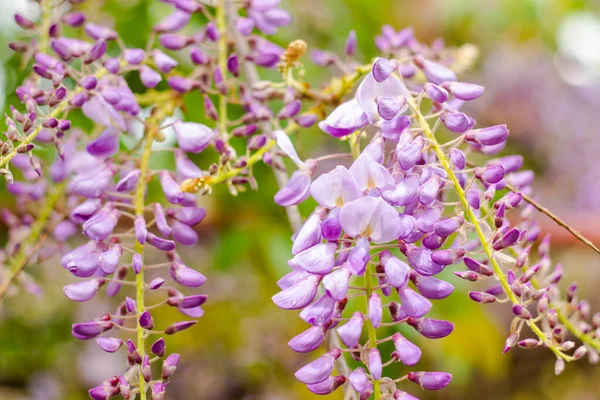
(561,316)
(370,327)
(193,185)
(35,237)
(498,273)
(45,25)
(152,129)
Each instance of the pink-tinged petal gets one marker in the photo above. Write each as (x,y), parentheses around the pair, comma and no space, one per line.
(369,91)
(409,353)
(286,145)
(310,233)
(109,344)
(371,217)
(105,145)
(327,386)
(336,283)
(347,118)
(320,312)
(292,278)
(296,190)
(99,111)
(375,310)
(298,295)
(318,259)
(192,137)
(360,381)
(351,331)
(335,188)
(318,370)
(82,291)
(413,303)
(374,363)
(396,271)
(308,340)
(404,193)
(369,174)
(430,380)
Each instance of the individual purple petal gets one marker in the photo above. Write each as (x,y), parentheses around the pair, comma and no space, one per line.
(413,303)
(369,174)
(170,188)
(389,107)
(359,257)
(383,68)
(434,72)
(404,193)
(335,188)
(109,344)
(369,91)
(298,295)
(433,288)
(174,22)
(163,62)
(184,234)
(308,340)
(310,233)
(409,353)
(327,386)
(430,380)
(192,137)
(318,370)
(320,312)
(464,91)
(82,291)
(296,190)
(318,259)
(375,310)
(188,215)
(374,363)
(137,263)
(432,328)
(435,92)
(351,42)
(149,77)
(110,259)
(105,145)
(347,118)
(490,136)
(336,283)
(370,217)
(396,271)
(159,347)
(331,229)
(360,381)
(161,220)
(185,275)
(351,331)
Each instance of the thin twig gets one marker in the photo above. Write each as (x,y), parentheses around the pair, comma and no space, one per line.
(37,236)
(550,215)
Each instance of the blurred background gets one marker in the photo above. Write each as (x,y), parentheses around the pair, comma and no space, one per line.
(540,63)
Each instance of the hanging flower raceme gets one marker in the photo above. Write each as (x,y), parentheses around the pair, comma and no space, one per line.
(385,222)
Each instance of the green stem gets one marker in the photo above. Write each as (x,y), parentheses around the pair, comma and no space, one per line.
(370,327)
(498,273)
(584,338)
(36,236)
(152,129)
(45,26)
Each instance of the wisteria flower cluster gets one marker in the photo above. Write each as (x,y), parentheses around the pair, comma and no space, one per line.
(408,206)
